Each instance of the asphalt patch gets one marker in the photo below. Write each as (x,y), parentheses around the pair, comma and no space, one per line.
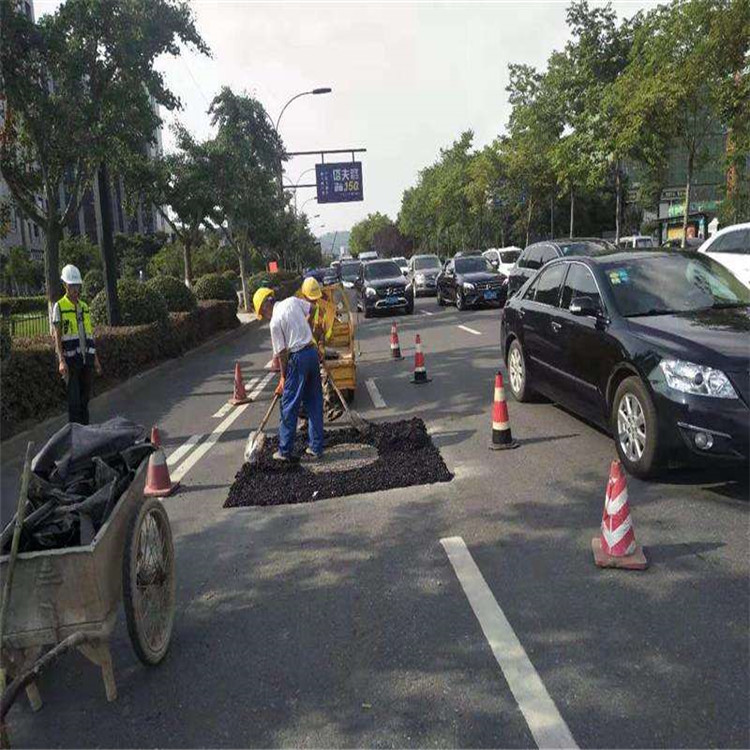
(406,457)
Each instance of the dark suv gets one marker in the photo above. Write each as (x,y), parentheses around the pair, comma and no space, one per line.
(540,253)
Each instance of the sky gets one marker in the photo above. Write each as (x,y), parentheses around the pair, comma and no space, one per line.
(407,79)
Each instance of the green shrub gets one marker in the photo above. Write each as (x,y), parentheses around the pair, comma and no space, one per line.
(17,305)
(93,283)
(5,341)
(81,252)
(176,296)
(214,286)
(139,305)
(284,283)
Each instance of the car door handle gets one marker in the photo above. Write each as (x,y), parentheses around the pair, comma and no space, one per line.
(556,326)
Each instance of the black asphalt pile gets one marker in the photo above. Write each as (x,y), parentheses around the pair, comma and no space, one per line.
(406,457)
(75,483)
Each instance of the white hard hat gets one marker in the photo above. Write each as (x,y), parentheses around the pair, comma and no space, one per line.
(71,275)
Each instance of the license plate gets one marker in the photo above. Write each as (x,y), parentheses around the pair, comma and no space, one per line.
(489,294)
(391,300)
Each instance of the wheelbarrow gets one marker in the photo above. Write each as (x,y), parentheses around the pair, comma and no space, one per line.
(70,597)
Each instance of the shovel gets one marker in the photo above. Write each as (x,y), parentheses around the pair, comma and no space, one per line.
(360,424)
(255,442)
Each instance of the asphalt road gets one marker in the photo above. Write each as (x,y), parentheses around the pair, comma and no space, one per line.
(345,623)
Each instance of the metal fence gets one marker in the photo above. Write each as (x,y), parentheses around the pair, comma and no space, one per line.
(27,324)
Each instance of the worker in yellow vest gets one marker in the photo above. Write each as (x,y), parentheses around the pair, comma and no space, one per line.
(75,345)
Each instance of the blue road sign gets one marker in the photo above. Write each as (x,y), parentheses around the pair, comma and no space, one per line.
(339,183)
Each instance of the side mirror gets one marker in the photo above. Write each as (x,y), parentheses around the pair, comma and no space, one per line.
(584,306)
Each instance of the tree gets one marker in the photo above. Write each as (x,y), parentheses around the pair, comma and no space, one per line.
(80,88)
(362,233)
(135,251)
(388,242)
(80,252)
(21,273)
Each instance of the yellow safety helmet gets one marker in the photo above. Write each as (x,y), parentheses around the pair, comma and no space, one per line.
(311,288)
(260,296)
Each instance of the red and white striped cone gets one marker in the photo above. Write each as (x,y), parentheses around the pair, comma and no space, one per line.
(155,437)
(395,346)
(616,547)
(158,482)
(502,438)
(240,395)
(420,371)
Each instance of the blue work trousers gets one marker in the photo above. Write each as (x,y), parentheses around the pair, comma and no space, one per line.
(302,386)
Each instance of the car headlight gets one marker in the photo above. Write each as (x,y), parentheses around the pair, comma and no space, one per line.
(420,278)
(370,292)
(688,377)
(468,287)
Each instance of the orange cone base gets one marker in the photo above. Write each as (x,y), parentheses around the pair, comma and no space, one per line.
(636,561)
(166,492)
(421,381)
(503,446)
(397,356)
(237,401)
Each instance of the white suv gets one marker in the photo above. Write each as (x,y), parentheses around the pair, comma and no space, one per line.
(503,258)
(731,247)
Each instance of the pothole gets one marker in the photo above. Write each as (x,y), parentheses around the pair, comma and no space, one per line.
(390,455)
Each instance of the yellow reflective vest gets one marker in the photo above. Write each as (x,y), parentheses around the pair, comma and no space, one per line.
(71,338)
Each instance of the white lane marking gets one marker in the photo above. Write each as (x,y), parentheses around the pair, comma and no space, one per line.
(186,447)
(269,364)
(223,411)
(545,723)
(213,438)
(426,312)
(372,389)
(470,330)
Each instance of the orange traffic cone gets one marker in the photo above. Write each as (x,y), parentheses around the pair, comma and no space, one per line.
(420,372)
(502,438)
(155,437)
(239,396)
(158,482)
(615,547)
(395,346)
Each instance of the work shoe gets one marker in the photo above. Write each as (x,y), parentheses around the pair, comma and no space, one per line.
(279,456)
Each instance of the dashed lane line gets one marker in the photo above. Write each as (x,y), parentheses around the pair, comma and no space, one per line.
(377,400)
(470,330)
(426,312)
(545,723)
(217,432)
(185,448)
(228,406)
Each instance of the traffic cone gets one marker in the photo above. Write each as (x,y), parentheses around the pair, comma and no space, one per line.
(502,438)
(239,396)
(155,437)
(616,547)
(158,483)
(395,346)
(420,373)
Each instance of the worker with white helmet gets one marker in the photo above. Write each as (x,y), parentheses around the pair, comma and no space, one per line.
(75,346)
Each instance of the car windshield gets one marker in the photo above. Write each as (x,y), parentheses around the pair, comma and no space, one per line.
(585,247)
(399,261)
(509,256)
(644,242)
(384,269)
(350,271)
(426,263)
(675,283)
(473,264)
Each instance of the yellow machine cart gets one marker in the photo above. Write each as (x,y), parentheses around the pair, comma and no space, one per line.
(340,332)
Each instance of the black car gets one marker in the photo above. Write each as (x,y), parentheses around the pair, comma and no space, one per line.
(540,253)
(423,271)
(651,345)
(349,272)
(382,287)
(469,281)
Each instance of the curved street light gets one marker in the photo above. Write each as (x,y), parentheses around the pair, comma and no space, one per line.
(322,90)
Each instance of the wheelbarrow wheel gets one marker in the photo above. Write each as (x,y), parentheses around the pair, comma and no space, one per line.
(148,581)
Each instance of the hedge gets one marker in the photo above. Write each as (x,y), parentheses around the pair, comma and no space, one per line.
(214,286)
(16,305)
(284,283)
(176,296)
(93,283)
(32,388)
(139,305)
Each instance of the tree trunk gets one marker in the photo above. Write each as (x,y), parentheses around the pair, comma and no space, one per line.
(528,219)
(53,235)
(687,197)
(187,249)
(502,235)
(109,261)
(552,217)
(618,202)
(243,280)
(572,212)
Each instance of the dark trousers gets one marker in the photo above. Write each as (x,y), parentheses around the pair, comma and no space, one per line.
(80,379)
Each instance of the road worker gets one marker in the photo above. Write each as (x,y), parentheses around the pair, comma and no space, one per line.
(293,344)
(74,343)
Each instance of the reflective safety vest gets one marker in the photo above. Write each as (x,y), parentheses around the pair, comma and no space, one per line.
(71,339)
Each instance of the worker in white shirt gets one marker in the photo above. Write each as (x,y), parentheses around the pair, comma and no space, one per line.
(292,340)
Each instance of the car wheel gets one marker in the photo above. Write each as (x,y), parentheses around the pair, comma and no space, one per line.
(460,301)
(368,313)
(635,427)
(517,373)
(439,299)
(410,309)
